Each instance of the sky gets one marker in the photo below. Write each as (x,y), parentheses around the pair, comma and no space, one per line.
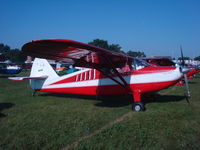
(155,27)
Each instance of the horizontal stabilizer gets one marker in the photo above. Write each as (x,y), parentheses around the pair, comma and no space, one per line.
(22,78)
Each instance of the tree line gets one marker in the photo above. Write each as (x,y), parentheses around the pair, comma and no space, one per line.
(16,55)
(115,47)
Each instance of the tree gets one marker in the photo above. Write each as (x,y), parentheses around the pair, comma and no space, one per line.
(115,47)
(135,54)
(4,48)
(104,44)
(99,43)
(14,55)
(197,58)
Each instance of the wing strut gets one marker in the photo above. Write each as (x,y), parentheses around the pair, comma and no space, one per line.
(124,84)
(117,73)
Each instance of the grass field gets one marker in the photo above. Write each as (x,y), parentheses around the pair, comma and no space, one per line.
(57,121)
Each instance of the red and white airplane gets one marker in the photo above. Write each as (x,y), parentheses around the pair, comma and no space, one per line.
(103,72)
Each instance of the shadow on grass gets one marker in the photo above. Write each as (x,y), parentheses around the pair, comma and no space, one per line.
(5,106)
(192,82)
(120,101)
(115,101)
(69,96)
(104,101)
(164,99)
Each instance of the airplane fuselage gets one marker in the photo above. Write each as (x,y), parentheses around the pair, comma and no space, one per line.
(92,82)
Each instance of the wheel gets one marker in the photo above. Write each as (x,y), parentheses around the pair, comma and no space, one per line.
(138,106)
(33,93)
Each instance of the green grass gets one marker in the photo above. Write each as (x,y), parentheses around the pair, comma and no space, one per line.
(55,121)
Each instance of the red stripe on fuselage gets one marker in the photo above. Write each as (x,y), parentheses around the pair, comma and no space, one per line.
(111,89)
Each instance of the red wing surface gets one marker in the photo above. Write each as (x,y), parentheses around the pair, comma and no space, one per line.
(81,54)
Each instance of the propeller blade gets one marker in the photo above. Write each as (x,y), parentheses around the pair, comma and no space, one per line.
(184,71)
(182,58)
(187,91)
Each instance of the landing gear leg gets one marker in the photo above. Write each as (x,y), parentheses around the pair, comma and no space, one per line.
(137,105)
(34,92)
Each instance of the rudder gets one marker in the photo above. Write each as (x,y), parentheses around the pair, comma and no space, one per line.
(41,67)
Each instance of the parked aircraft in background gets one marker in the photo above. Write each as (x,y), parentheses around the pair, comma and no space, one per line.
(103,72)
(159,61)
(6,68)
(165,61)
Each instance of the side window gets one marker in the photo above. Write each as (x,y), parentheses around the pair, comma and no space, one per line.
(139,64)
(126,68)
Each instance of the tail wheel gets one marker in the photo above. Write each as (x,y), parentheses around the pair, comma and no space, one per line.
(138,106)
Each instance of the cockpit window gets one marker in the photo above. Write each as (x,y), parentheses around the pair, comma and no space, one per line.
(138,63)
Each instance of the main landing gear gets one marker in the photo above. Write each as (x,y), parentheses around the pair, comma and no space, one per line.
(137,105)
(33,93)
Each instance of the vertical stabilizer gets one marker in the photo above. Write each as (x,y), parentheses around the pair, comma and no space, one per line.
(41,67)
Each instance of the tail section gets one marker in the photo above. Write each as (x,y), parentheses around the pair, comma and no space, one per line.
(41,67)
(41,74)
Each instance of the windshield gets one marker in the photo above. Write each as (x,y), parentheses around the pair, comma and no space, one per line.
(138,63)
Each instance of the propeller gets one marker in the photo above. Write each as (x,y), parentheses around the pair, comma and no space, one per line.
(182,58)
(184,71)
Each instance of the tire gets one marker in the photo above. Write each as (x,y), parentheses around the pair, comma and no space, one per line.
(138,106)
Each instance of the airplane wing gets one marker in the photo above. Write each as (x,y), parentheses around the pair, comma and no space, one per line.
(22,78)
(82,55)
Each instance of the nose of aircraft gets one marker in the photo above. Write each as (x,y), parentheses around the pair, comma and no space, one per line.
(185,69)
